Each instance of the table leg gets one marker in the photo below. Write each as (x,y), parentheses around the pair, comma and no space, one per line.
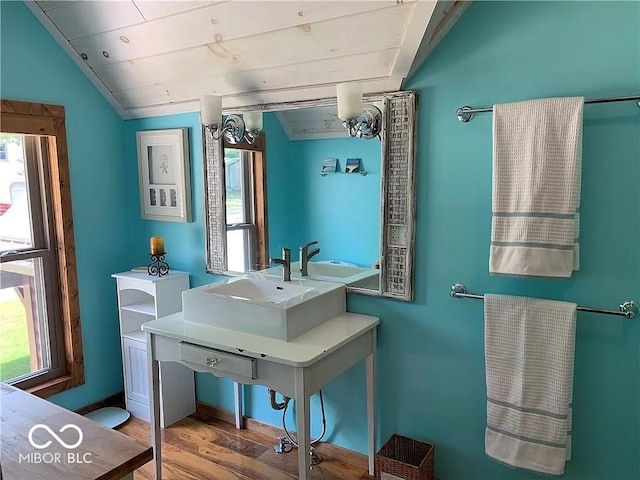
(237,397)
(154,402)
(371,402)
(302,419)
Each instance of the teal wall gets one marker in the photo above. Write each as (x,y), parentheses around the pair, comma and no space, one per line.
(280,186)
(431,365)
(184,241)
(290,172)
(341,211)
(34,68)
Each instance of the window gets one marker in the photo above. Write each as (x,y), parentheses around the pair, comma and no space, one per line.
(245,206)
(40,340)
(241,241)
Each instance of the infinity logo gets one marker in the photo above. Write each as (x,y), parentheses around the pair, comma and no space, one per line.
(52,433)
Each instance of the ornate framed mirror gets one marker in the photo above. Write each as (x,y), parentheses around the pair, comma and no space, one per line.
(391,175)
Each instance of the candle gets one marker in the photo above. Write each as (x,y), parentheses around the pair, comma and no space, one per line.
(157,245)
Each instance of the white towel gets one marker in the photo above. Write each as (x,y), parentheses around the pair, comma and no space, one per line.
(529,357)
(537,166)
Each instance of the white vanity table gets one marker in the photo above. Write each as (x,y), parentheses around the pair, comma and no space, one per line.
(297,368)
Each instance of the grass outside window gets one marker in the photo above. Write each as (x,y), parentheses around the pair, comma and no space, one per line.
(14,344)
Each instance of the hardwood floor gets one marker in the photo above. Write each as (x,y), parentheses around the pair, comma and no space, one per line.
(202,447)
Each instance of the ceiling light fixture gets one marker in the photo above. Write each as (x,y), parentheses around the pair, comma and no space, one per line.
(234,128)
(361,121)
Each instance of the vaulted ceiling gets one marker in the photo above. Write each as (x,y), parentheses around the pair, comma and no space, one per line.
(157,57)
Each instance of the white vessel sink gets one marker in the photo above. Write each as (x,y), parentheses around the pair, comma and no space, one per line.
(326,272)
(261,291)
(331,270)
(264,305)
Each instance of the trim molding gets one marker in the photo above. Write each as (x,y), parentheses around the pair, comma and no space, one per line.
(43,119)
(445,14)
(51,387)
(115,400)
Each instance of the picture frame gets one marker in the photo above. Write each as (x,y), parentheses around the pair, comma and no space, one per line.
(164,174)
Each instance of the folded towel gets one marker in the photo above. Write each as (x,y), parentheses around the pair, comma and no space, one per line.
(529,356)
(537,165)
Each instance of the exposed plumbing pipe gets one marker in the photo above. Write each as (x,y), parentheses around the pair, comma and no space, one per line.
(283,406)
(275,405)
(324,424)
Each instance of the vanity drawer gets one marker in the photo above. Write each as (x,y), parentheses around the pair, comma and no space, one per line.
(218,360)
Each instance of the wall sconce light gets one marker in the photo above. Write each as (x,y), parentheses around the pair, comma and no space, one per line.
(361,122)
(234,128)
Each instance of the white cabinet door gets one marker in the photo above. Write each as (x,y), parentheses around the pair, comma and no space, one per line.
(135,371)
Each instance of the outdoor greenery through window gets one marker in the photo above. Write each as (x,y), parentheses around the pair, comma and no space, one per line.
(40,335)
(29,342)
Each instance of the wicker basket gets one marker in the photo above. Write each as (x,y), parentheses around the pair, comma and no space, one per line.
(405,458)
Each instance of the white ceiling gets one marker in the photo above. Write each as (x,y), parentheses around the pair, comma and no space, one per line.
(314,123)
(157,57)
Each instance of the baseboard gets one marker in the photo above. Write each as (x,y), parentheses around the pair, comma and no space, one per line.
(116,400)
(348,456)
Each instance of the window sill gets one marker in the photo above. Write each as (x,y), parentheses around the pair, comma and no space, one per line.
(51,387)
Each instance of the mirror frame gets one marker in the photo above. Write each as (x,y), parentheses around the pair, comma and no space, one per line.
(398,192)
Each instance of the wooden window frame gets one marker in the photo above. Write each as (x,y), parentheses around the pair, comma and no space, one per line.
(49,120)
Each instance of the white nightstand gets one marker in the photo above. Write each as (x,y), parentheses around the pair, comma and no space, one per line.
(141,298)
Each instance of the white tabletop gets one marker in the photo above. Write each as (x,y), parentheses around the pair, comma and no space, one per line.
(302,351)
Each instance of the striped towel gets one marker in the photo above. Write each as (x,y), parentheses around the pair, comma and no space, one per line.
(537,166)
(529,357)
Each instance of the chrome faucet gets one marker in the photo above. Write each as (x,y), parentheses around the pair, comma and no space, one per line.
(305,256)
(285,262)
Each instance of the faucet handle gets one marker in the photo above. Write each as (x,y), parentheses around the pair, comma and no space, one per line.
(286,257)
(307,245)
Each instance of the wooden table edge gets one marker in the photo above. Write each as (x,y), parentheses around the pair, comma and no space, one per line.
(130,466)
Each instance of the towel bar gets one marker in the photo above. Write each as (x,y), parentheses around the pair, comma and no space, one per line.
(466,113)
(629,308)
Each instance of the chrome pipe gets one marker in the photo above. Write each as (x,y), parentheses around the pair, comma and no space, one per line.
(277,405)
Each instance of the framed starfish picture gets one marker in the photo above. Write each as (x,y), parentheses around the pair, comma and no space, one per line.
(163,169)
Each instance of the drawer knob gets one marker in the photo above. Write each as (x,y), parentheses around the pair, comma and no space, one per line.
(212,361)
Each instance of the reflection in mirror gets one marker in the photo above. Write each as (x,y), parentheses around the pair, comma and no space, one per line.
(241,244)
(314,183)
(340,210)
(245,205)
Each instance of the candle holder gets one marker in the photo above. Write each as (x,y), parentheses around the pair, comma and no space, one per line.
(158,267)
